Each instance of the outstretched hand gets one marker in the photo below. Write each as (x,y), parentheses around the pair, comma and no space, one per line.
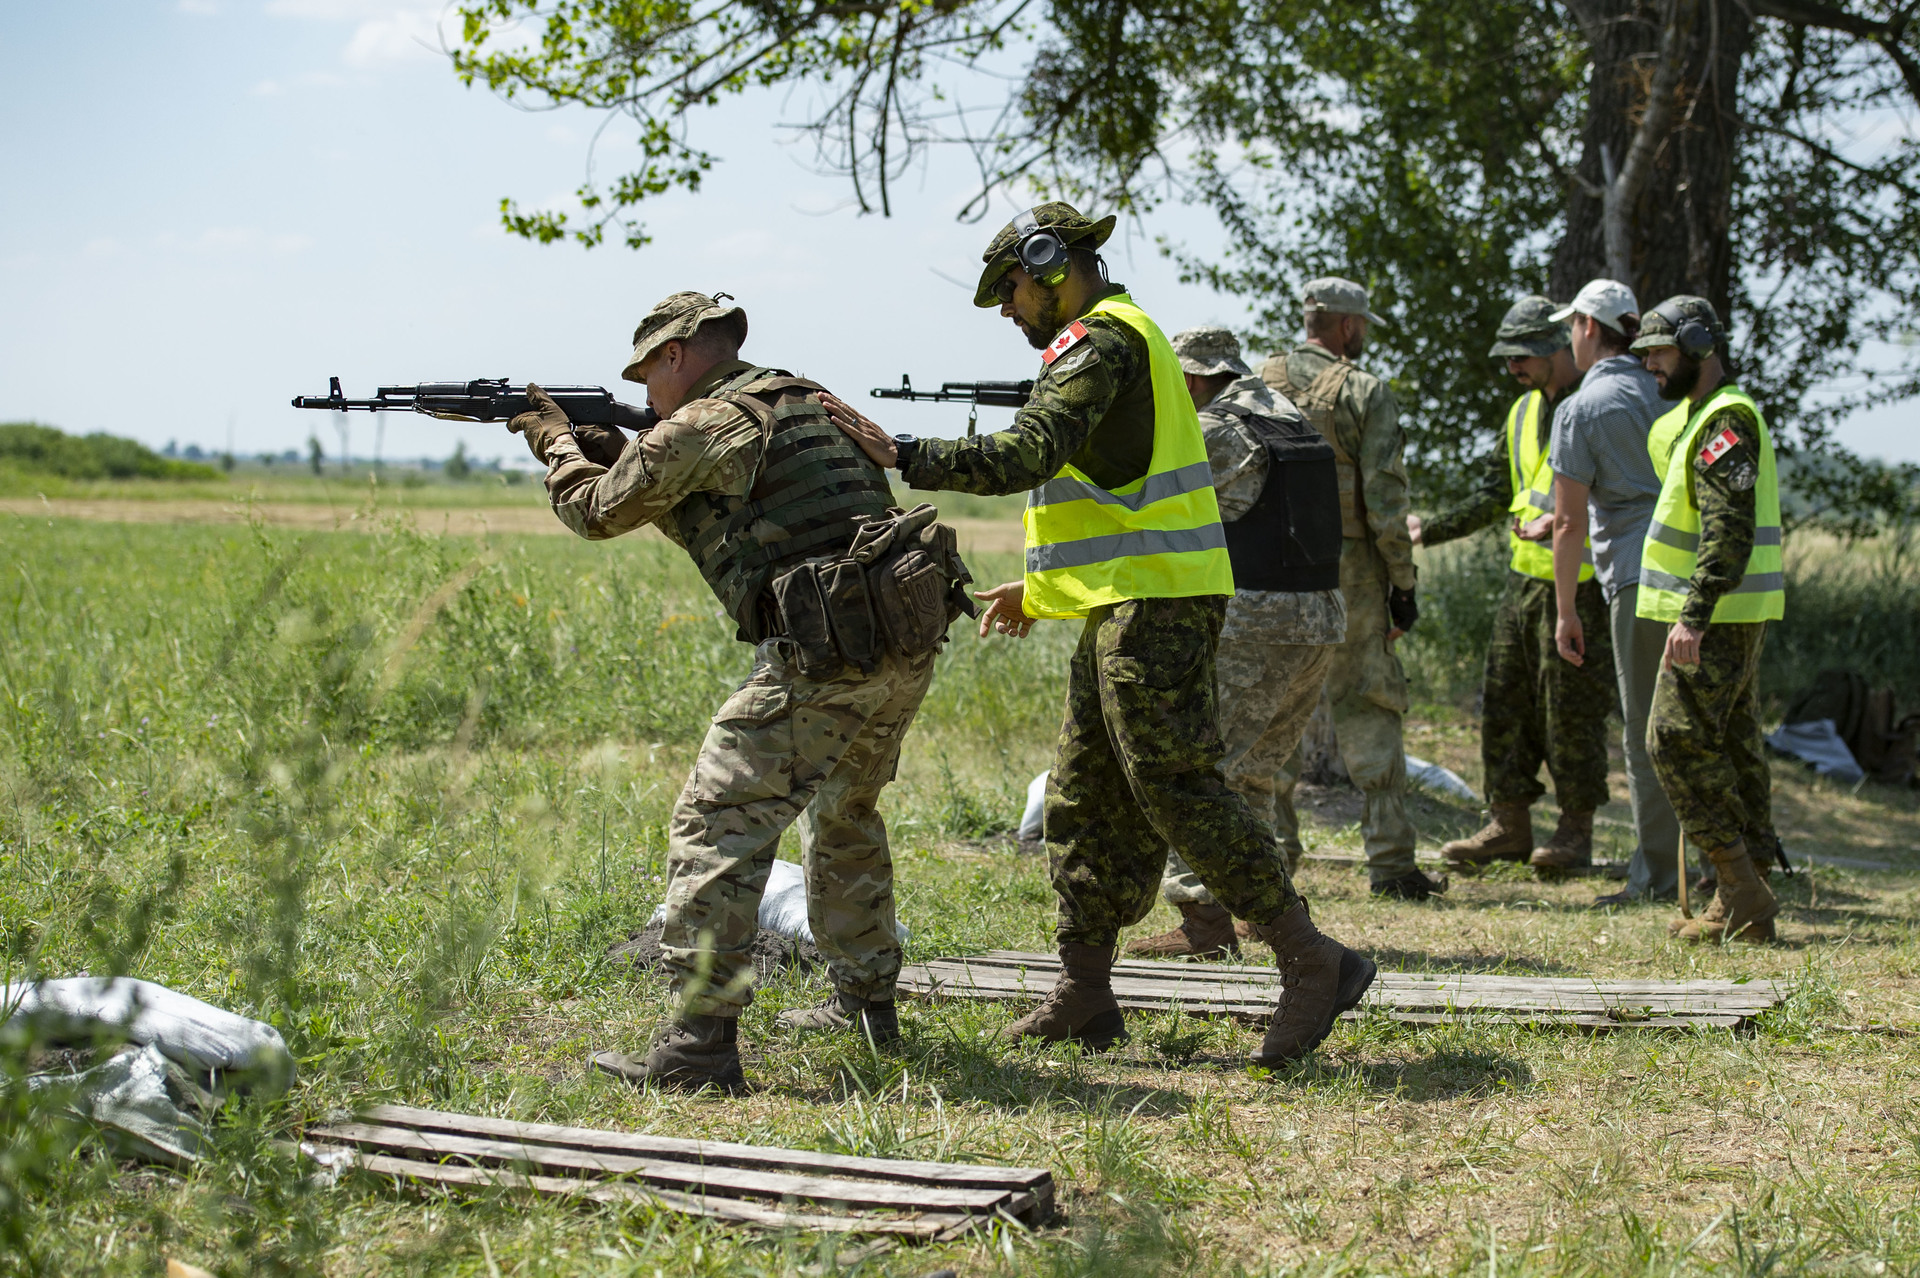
(1006,610)
(862,430)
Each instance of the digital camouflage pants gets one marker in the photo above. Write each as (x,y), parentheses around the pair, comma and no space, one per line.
(784,747)
(1704,736)
(1267,693)
(1540,708)
(1138,770)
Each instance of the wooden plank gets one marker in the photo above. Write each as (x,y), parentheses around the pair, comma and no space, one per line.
(707,1179)
(1034,1180)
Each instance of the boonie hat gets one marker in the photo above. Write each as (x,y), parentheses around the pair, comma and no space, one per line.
(1337,297)
(677,319)
(1659,325)
(1529,328)
(1062,219)
(1209,351)
(1605,300)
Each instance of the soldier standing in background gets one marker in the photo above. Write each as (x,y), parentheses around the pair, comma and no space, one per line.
(1366,686)
(1536,708)
(1711,571)
(1273,476)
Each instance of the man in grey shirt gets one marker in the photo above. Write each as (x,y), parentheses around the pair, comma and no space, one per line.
(1605,486)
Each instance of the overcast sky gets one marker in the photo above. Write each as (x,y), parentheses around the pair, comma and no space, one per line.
(212,205)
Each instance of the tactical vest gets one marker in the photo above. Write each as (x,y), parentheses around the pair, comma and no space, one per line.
(1290,539)
(1532,490)
(812,489)
(1158,537)
(1316,402)
(1671,551)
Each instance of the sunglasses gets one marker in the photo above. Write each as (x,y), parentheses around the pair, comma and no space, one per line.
(1003,291)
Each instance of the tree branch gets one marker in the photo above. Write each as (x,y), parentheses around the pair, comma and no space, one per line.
(1889,35)
(1624,188)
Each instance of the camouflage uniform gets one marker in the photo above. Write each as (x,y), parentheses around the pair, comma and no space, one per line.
(1366,685)
(782,747)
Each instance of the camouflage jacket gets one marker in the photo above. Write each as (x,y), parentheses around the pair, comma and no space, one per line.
(1723,488)
(1367,422)
(1093,407)
(706,446)
(1239,462)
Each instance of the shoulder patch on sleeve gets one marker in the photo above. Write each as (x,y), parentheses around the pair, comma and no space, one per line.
(1070,336)
(1719,446)
(1086,357)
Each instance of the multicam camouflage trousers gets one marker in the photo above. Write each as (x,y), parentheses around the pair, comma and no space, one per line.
(1704,737)
(784,747)
(1267,694)
(1540,708)
(1138,770)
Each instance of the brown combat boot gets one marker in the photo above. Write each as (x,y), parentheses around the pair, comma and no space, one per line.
(689,1053)
(1507,836)
(1081,1006)
(1319,979)
(1205,932)
(1743,907)
(1570,848)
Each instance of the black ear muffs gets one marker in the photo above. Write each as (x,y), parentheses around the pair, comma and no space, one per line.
(1042,254)
(1695,340)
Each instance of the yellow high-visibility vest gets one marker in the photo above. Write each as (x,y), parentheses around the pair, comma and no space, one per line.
(1159,537)
(1532,489)
(1672,547)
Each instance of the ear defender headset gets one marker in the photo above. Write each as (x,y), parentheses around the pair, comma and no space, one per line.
(1695,340)
(1042,254)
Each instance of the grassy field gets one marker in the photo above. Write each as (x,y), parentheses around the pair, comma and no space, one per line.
(398,794)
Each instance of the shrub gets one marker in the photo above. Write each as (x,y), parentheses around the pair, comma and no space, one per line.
(30,446)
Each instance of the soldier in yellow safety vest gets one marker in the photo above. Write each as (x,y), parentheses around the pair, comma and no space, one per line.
(1122,529)
(1711,568)
(1537,709)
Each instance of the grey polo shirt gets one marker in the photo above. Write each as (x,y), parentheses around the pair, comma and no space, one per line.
(1600,440)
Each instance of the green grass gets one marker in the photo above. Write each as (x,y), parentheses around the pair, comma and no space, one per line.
(398,794)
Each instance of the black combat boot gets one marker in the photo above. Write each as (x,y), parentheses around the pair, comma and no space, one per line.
(1411,886)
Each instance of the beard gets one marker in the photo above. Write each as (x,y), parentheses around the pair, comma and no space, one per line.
(1047,322)
(1355,345)
(1679,384)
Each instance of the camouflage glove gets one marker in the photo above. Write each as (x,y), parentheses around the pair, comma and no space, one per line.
(542,426)
(1402,607)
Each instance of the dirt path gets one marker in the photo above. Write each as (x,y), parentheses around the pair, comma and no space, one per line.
(976,535)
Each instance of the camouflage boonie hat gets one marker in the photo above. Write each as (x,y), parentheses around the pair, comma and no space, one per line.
(677,319)
(1529,329)
(1338,297)
(1209,351)
(1062,219)
(1658,326)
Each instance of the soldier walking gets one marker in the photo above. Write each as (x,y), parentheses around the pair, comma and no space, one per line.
(1536,708)
(1711,571)
(1273,477)
(1122,528)
(746,472)
(1366,686)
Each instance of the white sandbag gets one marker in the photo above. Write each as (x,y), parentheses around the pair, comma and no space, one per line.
(1439,780)
(202,1038)
(143,1104)
(1818,742)
(783,908)
(1033,822)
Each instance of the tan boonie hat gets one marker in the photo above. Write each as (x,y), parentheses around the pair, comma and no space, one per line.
(1337,297)
(1529,329)
(677,319)
(1209,351)
(1604,300)
(1062,219)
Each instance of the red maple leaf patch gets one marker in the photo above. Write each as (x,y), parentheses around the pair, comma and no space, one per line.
(1719,446)
(1069,335)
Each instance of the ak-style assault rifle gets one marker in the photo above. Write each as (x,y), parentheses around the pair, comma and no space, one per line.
(992,394)
(485,400)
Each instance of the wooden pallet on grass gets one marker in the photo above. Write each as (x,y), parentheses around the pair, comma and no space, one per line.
(752,1184)
(1225,989)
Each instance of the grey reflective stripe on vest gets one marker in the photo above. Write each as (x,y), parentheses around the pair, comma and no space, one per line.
(1126,545)
(1542,502)
(1753,583)
(1172,483)
(1687,541)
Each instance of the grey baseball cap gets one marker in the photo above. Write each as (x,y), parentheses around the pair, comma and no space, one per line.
(1209,351)
(1529,328)
(1338,297)
(677,318)
(1605,300)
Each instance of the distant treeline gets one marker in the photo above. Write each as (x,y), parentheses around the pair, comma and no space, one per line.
(33,447)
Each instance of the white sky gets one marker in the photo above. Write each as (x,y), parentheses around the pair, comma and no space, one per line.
(212,205)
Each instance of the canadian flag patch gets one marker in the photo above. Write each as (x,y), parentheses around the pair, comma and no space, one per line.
(1718,446)
(1062,344)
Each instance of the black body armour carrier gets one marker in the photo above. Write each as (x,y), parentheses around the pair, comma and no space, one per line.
(813,491)
(1290,540)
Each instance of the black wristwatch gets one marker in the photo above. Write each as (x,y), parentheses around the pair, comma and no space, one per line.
(904,446)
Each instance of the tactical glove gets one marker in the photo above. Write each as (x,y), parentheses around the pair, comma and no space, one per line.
(601,445)
(544,424)
(1402,608)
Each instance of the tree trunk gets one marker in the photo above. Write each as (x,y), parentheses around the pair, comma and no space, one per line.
(1677,223)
